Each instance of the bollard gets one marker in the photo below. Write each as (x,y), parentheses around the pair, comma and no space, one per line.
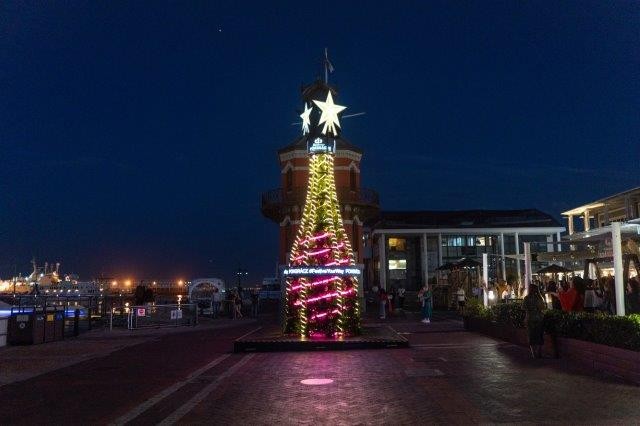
(76,322)
(111,320)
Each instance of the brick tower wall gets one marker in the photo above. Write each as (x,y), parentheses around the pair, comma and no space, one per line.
(294,178)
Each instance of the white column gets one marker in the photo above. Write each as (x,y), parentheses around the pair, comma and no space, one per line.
(382,256)
(485,279)
(559,238)
(425,259)
(439,249)
(570,224)
(527,266)
(518,258)
(585,219)
(616,242)
(503,261)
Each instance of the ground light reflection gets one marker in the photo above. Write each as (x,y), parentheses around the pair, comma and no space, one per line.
(316,382)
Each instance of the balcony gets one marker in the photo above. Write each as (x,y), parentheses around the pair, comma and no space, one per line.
(277,203)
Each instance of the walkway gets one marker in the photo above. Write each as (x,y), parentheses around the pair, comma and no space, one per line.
(448,376)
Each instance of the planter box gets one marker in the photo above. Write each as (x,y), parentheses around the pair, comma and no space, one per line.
(508,333)
(622,363)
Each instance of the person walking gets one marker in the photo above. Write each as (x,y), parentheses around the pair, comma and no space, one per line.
(425,296)
(401,293)
(633,296)
(534,307)
(237,302)
(460,297)
(373,294)
(215,304)
(231,304)
(255,302)
(382,297)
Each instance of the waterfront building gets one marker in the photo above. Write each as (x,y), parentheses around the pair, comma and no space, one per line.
(407,248)
(595,217)
(606,232)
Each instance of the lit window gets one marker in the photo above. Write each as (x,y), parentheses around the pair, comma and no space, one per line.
(397,264)
(454,241)
(480,241)
(397,244)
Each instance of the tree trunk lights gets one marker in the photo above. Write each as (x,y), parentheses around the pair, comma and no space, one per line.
(324,304)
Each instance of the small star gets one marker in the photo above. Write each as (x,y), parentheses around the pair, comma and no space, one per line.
(329,115)
(305,119)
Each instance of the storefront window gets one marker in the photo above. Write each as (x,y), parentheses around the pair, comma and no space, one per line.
(397,244)
(397,264)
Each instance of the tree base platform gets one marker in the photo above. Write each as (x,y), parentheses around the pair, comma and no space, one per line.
(271,339)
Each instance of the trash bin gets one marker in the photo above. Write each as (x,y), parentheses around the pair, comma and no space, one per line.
(4,326)
(58,325)
(26,328)
(54,324)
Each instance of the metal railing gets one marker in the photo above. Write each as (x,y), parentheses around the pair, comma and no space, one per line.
(276,201)
(346,194)
(155,316)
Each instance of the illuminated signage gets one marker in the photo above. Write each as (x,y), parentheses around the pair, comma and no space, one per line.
(301,271)
(322,146)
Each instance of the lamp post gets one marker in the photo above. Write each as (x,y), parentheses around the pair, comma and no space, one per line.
(241,273)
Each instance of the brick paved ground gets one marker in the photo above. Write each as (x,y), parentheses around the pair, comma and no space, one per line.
(447,376)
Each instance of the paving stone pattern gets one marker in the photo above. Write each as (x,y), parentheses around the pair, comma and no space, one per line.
(448,376)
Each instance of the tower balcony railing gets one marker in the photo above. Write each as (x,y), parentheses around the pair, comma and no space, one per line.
(275,204)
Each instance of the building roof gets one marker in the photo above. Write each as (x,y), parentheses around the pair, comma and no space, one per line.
(601,202)
(435,219)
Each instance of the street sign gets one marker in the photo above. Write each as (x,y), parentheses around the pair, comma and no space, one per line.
(141,312)
(176,314)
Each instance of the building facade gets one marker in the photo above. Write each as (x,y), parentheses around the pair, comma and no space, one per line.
(598,215)
(407,248)
(285,205)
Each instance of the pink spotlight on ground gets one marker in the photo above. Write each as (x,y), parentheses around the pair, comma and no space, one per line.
(316,382)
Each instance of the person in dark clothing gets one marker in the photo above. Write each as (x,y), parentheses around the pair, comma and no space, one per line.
(633,296)
(382,297)
(534,306)
(255,302)
(552,291)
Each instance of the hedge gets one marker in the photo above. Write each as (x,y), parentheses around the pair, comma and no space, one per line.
(620,332)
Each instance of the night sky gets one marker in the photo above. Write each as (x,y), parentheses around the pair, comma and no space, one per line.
(136,137)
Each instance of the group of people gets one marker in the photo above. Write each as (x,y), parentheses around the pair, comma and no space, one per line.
(575,294)
(387,301)
(578,294)
(234,301)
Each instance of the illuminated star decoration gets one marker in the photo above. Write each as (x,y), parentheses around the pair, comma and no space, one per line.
(329,115)
(305,119)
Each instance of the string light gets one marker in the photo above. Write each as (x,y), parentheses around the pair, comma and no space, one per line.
(321,304)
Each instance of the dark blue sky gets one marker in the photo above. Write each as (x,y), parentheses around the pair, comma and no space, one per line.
(136,137)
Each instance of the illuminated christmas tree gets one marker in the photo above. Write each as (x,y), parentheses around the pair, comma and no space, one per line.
(322,280)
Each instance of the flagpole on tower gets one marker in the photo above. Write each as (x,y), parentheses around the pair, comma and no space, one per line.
(328,66)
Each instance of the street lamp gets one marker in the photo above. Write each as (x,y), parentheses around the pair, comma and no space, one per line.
(241,273)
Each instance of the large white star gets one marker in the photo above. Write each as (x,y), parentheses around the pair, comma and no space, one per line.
(305,119)
(329,115)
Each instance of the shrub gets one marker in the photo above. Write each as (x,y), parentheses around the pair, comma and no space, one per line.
(474,308)
(510,314)
(621,332)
